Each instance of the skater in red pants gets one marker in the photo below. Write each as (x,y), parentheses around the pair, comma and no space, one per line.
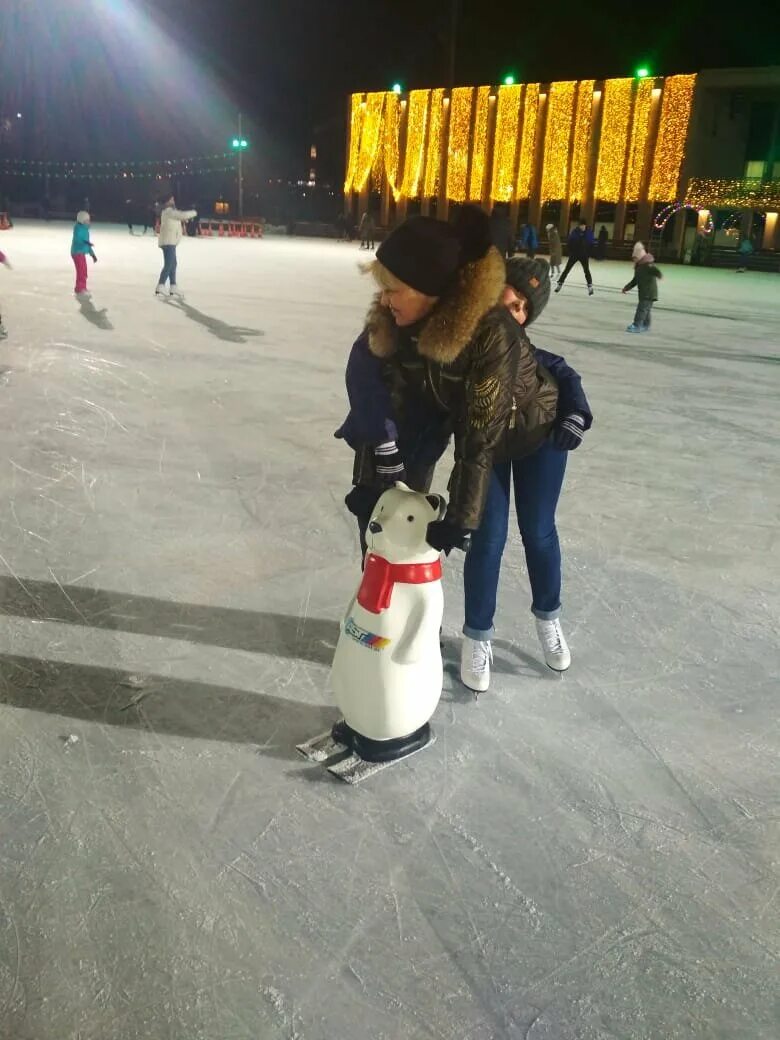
(6,263)
(80,248)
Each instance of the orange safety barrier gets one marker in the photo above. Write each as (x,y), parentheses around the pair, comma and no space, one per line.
(5,223)
(230,228)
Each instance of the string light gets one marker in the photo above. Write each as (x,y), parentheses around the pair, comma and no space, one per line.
(614,134)
(433,151)
(525,166)
(144,169)
(369,138)
(580,153)
(672,134)
(505,142)
(458,144)
(560,106)
(416,124)
(390,131)
(668,212)
(479,150)
(734,194)
(357,109)
(637,146)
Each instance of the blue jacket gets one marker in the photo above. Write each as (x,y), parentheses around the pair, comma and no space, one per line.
(581,243)
(81,242)
(529,239)
(371,421)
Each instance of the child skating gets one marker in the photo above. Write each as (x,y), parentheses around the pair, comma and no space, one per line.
(6,263)
(646,276)
(80,249)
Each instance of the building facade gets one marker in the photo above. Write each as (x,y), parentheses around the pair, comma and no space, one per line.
(628,149)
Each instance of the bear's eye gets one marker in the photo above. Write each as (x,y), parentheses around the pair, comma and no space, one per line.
(410,518)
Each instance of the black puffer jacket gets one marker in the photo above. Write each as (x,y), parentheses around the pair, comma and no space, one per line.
(470,367)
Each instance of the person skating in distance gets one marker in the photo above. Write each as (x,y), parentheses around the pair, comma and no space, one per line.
(7,264)
(168,239)
(581,243)
(80,248)
(646,278)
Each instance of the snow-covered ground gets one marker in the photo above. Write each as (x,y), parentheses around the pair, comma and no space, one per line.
(591,857)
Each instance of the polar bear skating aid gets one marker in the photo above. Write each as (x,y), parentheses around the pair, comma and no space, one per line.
(387,670)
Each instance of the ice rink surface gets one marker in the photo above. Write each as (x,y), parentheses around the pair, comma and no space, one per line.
(586,857)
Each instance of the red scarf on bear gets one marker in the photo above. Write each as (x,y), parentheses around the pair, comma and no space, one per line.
(379,577)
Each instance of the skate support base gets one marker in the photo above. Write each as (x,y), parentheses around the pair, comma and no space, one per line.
(344,753)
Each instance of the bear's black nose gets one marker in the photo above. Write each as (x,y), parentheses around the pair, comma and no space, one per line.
(374,527)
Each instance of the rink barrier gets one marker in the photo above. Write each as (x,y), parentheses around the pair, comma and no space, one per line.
(230,228)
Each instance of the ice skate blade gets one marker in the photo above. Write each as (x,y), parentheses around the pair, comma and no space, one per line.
(322,748)
(354,770)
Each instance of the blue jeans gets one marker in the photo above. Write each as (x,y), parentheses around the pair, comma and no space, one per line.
(169,265)
(537,483)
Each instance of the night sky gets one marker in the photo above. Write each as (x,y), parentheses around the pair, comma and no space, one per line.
(112,78)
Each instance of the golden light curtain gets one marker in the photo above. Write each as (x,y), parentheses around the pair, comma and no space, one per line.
(390,130)
(458,143)
(638,145)
(479,147)
(505,143)
(555,171)
(369,138)
(525,167)
(580,152)
(355,128)
(433,150)
(614,139)
(416,125)
(672,134)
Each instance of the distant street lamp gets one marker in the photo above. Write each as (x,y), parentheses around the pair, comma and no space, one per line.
(239,144)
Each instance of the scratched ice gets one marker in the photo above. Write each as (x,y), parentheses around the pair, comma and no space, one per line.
(589,857)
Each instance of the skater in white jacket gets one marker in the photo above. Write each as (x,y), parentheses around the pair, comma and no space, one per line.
(169,237)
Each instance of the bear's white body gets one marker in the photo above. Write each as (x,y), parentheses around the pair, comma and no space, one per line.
(387,671)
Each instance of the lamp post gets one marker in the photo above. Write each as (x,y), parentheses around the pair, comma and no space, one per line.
(239,144)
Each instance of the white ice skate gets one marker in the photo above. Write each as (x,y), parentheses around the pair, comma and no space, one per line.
(84,295)
(176,292)
(476,656)
(555,647)
(161,291)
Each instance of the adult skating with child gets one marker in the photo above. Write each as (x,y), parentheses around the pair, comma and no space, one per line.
(536,478)
(646,277)
(402,412)
(6,263)
(581,243)
(170,235)
(80,248)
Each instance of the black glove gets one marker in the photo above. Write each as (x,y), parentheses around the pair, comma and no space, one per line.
(445,536)
(389,463)
(362,500)
(568,431)
(92,254)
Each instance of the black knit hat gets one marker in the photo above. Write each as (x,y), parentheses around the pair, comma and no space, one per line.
(532,279)
(427,254)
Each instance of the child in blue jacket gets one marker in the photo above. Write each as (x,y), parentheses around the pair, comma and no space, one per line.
(80,248)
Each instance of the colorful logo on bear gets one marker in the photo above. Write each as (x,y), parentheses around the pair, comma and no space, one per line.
(367,639)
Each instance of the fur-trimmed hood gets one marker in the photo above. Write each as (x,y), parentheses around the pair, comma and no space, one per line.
(451,325)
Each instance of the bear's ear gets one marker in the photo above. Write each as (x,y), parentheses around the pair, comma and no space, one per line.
(438,504)
(399,484)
